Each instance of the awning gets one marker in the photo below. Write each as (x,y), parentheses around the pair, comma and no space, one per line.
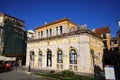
(3,58)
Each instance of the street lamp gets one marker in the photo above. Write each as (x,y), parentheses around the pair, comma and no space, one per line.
(30,58)
(92,52)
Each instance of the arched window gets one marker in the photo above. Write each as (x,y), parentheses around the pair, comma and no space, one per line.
(40,56)
(59,56)
(73,56)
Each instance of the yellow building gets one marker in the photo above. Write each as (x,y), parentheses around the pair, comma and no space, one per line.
(62,45)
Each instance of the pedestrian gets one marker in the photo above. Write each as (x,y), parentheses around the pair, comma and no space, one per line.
(16,64)
(7,67)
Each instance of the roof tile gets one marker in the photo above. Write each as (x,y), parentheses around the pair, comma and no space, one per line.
(102,30)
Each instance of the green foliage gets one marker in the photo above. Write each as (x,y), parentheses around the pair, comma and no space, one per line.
(92,51)
(67,73)
(64,75)
(57,76)
(2,66)
(52,71)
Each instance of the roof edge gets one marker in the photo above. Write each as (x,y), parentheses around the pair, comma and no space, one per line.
(12,17)
(57,21)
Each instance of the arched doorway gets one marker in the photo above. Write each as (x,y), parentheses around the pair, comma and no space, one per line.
(49,58)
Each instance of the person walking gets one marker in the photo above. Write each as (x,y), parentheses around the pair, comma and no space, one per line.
(15,65)
(7,67)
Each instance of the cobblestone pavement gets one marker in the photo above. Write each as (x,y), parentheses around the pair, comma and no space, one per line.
(20,75)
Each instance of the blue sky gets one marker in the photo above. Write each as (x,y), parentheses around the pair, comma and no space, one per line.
(93,13)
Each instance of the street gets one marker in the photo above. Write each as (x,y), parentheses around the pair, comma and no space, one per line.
(20,75)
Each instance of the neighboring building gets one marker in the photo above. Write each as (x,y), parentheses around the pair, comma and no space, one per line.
(118,38)
(62,45)
(13,36)
(30,34)
(105,34)
(114,44)
(1,40)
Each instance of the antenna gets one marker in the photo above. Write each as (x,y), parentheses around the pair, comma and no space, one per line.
(45,22)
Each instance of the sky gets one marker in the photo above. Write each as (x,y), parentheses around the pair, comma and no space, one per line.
(93,13)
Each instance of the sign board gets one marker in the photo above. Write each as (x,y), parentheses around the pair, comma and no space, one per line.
(109,72)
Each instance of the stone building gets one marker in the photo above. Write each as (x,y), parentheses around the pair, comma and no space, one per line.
(104,32)
(114,43)
(62,45)
(1,40)
(30,34)
(13,39)
(118,37)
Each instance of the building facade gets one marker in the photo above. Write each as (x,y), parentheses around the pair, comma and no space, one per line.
(13,36)
(1,40)
(118,38)
(30,34)
(62,45)
(104,32)
(114,43)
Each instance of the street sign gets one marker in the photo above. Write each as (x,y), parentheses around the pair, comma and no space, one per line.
(109,72)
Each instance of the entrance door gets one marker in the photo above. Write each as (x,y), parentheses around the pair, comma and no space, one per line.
(49,58)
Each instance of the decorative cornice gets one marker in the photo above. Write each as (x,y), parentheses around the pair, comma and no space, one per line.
(66,34)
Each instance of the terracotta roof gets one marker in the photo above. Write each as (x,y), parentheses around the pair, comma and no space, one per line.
(63,19)
(102,30)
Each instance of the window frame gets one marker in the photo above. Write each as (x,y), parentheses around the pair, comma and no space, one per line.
(33,56)
(56,30)
(41,34)
(47,33)
(59,56)
(40,56)
(38,35)
(50,32)
(61,29)
(73,56)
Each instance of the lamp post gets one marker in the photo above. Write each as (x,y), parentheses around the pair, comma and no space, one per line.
(30,58)
(29,67)
(92,52)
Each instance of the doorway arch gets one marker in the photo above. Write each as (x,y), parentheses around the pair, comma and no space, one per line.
(49,58)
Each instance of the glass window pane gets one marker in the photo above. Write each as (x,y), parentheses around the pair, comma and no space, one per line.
(59,56)
(40,57)
(73,56)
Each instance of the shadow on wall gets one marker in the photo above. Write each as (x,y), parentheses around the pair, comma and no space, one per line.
(98,73)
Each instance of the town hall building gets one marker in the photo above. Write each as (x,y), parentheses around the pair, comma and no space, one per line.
(63,45)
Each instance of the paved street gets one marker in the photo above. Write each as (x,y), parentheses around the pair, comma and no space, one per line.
(20,75)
